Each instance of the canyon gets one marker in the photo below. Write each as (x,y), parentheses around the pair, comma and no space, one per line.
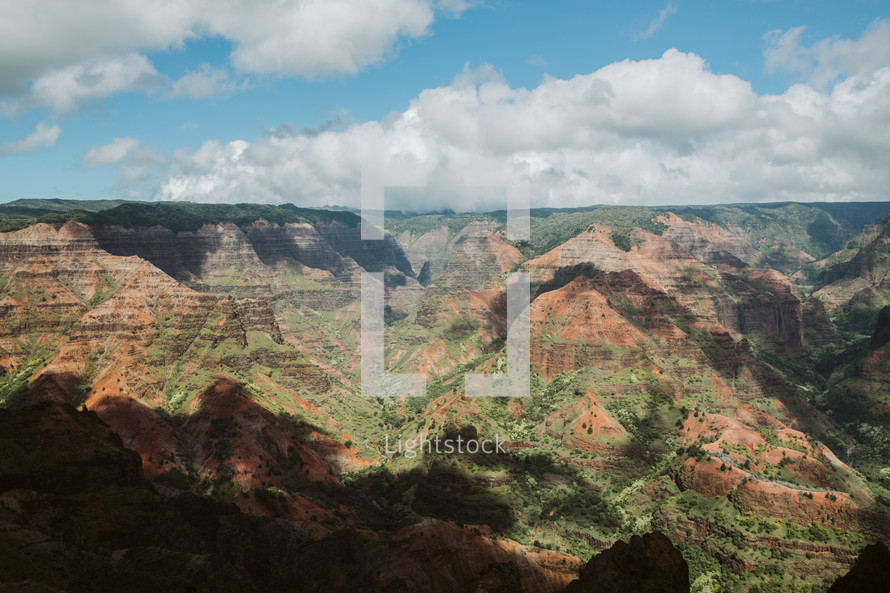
(722,386)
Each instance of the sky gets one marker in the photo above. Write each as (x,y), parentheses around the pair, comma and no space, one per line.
(650,102)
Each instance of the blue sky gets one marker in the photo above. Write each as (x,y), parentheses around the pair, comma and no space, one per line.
(761,101)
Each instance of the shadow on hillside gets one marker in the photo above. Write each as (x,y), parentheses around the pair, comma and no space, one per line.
(562,276)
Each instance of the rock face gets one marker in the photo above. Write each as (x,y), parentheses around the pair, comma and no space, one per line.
(587,328)
(327,245)
(121,336)
(647,564)
(862,276)
(427,253)
(709,243)
(768,302)
(477,256)
(743,300)
(870,574)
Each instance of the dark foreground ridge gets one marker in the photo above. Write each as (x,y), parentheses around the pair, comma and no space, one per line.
(870,574)
(647,564)
(78,515)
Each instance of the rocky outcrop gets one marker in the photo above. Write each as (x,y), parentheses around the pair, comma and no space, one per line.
(180,255)
(743,300)
(256,315)
(427,253)
(224,256)
(299,242)
(478,256)
(778,499)
(763,300)
(468,287)
(577,326)
(373,256)
(710,243)
(645,564)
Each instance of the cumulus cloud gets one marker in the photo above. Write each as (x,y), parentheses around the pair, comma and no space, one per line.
(824,61)
(64,90)
(136,163)
(206,82)
(43,136)
(313,39)
(661,131)
(110,154)
(140,167)
(658,22)
(303,38)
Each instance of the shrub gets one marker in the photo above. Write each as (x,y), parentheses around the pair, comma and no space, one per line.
(621,240)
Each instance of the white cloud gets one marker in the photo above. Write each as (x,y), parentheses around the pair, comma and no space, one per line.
(40,36)
(657,22)
(64,90)
(206,82)
(140,167)
(662,131)
(316,39)
(823,62)
(136,164)
(305,38)
(110,154)
(43,136)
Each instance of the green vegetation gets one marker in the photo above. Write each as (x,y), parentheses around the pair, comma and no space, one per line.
(418,225)
(176,216)
(14,386)
(622,240)
(185,216)
(585,507)
(19,214)
(550,228)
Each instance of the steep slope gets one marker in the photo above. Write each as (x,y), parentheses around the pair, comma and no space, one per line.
(650,347)
(789,235)
(77,515)
(120,336)
(857,286)
(857,396)
(462,308)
